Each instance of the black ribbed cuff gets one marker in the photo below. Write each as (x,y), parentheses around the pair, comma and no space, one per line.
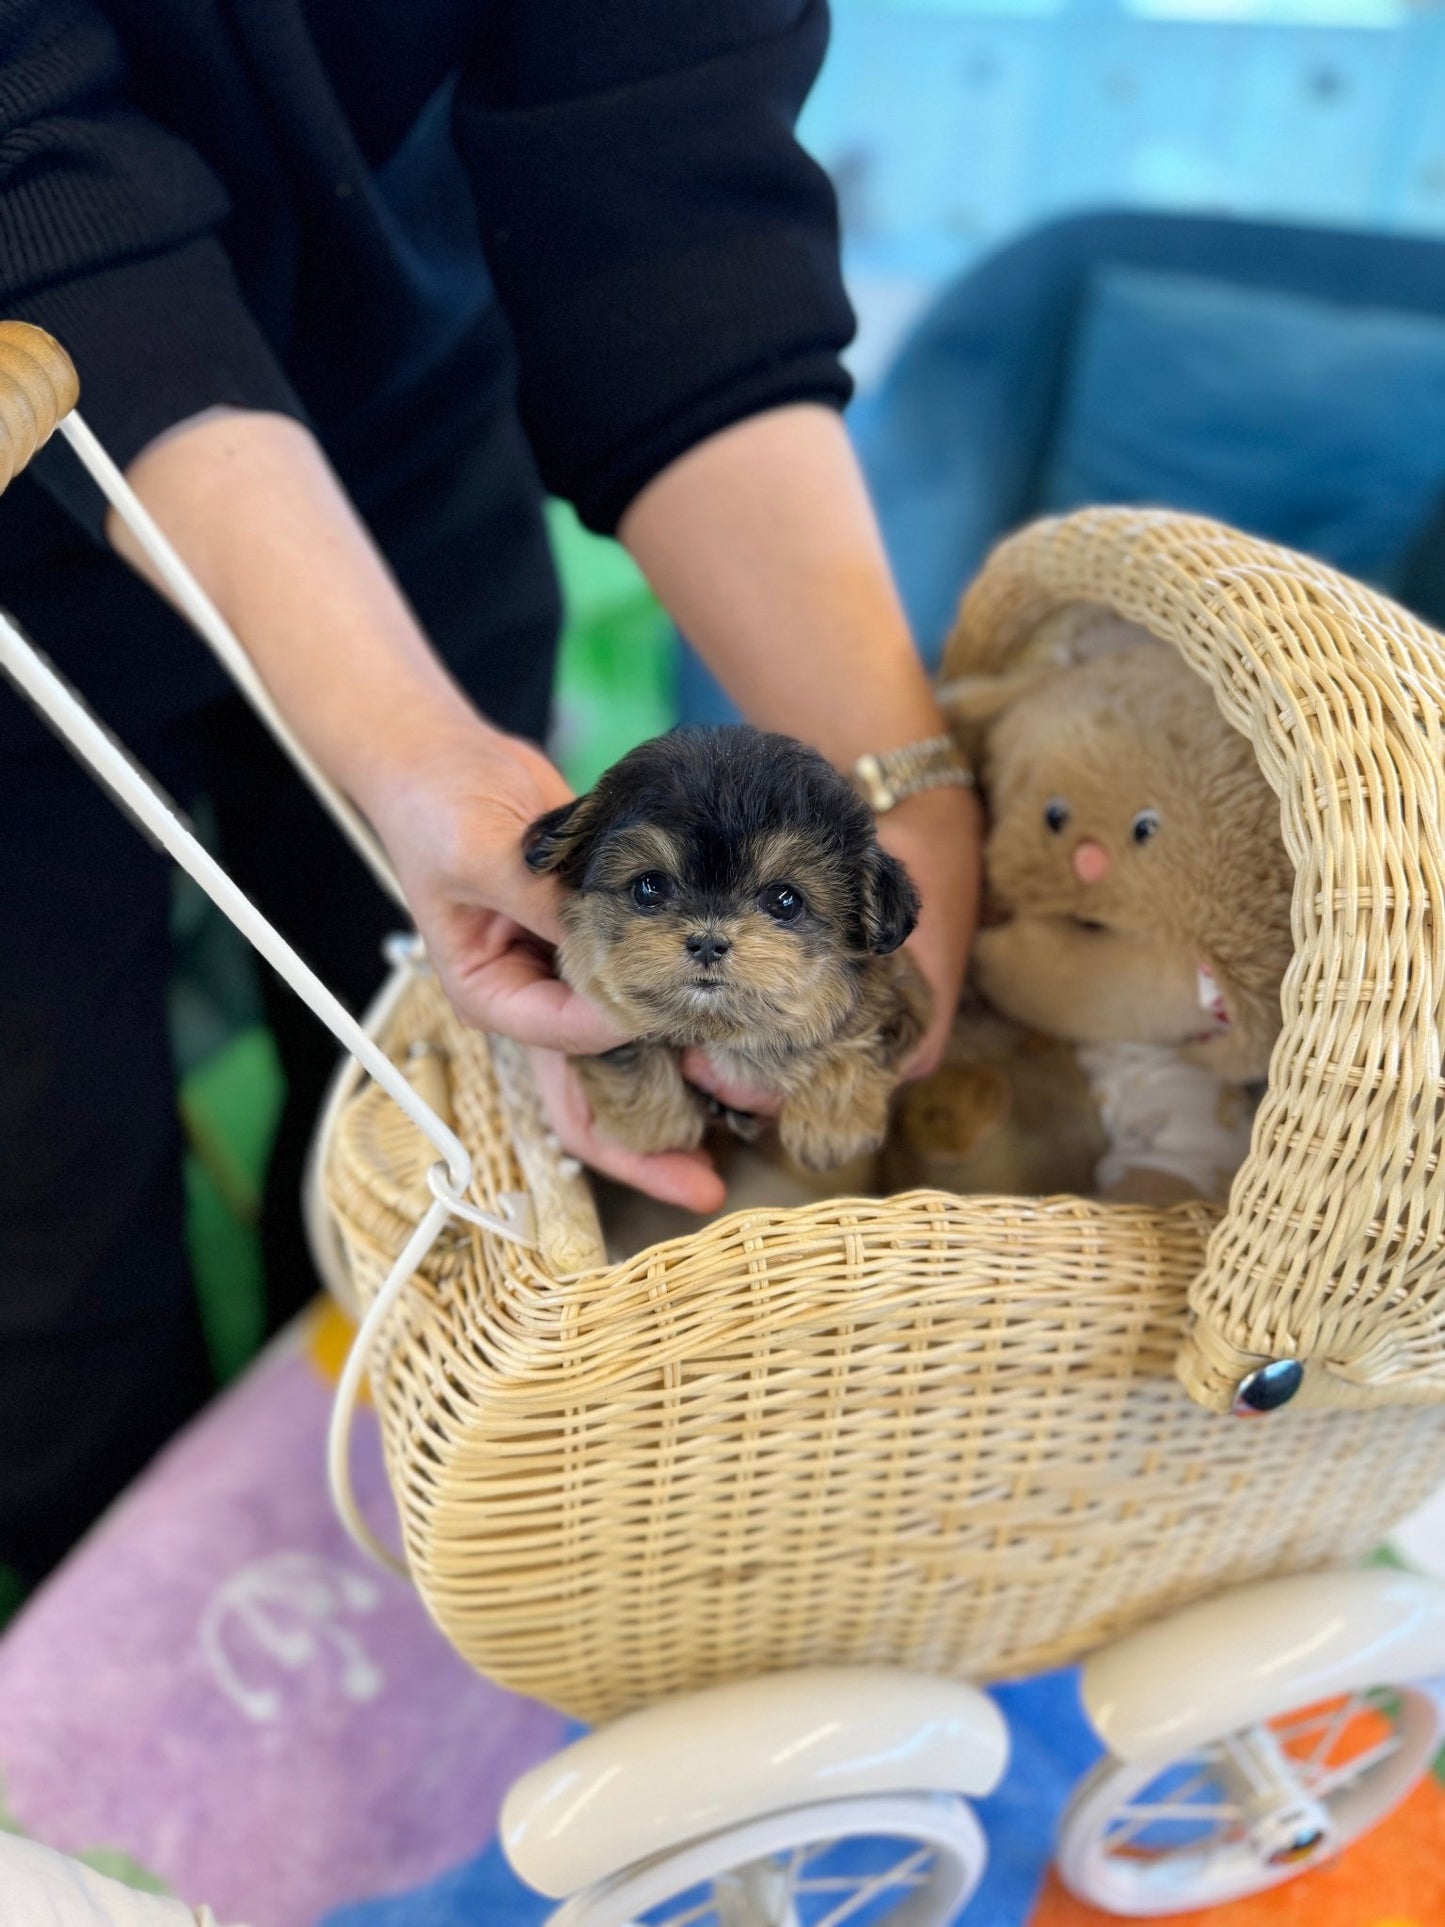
(610,492)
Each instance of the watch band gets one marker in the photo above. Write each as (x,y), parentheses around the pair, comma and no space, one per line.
(934,763)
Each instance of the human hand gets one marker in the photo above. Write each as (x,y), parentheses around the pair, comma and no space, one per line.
(453,821)
(685,1178)
(938,837)
(453,818)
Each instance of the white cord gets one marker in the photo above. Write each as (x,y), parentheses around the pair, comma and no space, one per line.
(343,1406)
(136,791)
(407,957)
(223,642)
(348,1386)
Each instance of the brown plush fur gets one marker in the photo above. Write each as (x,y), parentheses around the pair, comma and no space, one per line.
(817,1005)
(1006,1112)
(1129,731)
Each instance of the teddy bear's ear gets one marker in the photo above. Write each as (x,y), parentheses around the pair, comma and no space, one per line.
(973,704)
(982,699)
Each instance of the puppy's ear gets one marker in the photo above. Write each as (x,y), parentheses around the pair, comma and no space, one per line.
(889,907)
(554,844)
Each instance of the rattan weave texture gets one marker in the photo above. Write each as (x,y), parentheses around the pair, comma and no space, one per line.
(944,1432)
(1333,1249)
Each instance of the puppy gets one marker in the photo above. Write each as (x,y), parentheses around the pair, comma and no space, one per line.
(725,888)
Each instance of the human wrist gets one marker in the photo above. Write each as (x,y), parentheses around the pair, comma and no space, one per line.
(886,778)
(411,741)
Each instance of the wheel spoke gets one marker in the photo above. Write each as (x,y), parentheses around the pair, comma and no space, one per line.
(1178,1805)
(902,1873)
(1205,1777)
(1353,1705)
(1140,1817)
(1349,1771)
(1314,1721)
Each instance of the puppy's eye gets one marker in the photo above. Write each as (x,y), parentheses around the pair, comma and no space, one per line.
(782,902)
(651,890)
(1057,814)
(1145,825)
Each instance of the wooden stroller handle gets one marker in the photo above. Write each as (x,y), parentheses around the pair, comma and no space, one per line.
(38,389)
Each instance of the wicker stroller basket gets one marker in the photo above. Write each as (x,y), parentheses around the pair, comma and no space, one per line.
(965,1435)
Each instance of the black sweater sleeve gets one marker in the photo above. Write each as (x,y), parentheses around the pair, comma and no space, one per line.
(665,250)
(107,238)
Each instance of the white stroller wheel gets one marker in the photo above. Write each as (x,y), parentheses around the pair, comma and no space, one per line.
(891,1860)
(1247,1811)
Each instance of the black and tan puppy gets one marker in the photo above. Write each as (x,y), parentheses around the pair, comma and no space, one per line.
(725,888)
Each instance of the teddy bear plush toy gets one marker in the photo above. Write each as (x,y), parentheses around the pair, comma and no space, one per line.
(1138,908)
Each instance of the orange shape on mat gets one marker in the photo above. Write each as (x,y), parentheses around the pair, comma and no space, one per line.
(1393,1877)
(328,1337)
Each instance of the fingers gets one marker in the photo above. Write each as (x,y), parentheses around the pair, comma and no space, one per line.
(515,994)
(699,1069)
(684,1178)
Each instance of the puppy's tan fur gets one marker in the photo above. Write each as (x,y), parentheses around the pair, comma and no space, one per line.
(1006,1112)
(829,1040)
(821,1009)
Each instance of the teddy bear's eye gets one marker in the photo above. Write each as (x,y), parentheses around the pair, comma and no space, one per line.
(1057,814)
(1145,825)
(782,902)
(651,890)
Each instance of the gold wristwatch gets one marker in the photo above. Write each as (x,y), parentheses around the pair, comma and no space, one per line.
(934,763)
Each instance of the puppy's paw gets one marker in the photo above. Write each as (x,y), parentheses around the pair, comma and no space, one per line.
(821,1140)
(639,1099)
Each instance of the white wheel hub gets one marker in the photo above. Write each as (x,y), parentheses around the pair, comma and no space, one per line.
(1249,1810)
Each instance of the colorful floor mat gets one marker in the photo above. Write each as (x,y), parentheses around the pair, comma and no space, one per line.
(217,1697)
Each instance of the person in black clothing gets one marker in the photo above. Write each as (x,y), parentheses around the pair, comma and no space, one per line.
(348,285)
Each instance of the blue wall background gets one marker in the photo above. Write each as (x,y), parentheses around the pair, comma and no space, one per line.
(949,125)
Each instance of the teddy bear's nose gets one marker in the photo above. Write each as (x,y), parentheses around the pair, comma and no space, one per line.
(1091,862)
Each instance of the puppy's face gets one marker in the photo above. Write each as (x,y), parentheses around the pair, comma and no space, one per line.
(723,886)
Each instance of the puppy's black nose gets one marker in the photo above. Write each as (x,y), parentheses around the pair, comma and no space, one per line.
(706,947)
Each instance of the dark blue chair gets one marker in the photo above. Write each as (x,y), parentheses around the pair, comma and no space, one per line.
(962,441)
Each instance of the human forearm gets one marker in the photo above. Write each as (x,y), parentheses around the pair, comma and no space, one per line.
(251,503)
(254,507)
(763,543)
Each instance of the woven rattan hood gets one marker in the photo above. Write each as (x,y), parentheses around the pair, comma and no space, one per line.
(1331,1249)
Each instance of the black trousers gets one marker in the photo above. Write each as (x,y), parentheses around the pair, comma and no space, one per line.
(101,1352)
